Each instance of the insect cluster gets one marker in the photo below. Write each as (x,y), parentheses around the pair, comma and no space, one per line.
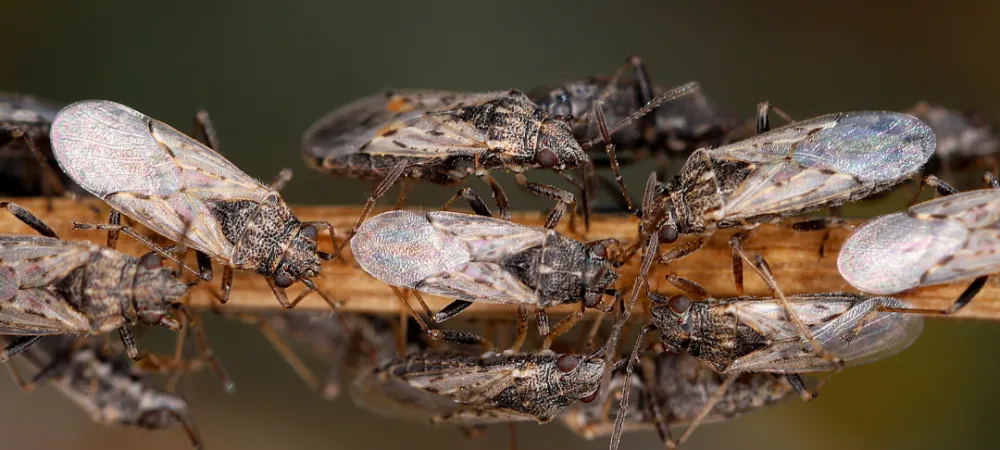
(714,358)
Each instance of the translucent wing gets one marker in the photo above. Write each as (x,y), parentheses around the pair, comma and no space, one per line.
(940,241)
(39,261)
(811,163)
(151,172)
(486,238)
(420,123)
(482,281)
(37,312)
(858,334)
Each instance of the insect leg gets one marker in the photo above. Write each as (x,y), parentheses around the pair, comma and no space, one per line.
(616,433)
(688,287)
(679,251)
(380,190)
(940,185)
(565,198)
(564,325)
(312,287)
(799,386)
(991,180)
(204,130)
(522,328)
(453,336)
(285,351)
(142,240)
(189,427)
(281,179)
(764,271)
(609,148)
(18,345)
(672,94)
(716,396)
(963,299)
(475,202)
(129,342)
(543,322)
(451,310)
(206,352)
(498,194)
(763,116)
(29,219)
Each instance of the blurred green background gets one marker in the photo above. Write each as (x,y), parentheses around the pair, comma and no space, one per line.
(266,70)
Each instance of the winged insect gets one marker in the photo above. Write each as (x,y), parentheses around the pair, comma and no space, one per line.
(459,389)
(25,150)
(53,287)
(187,192)
(673,389)
(444,137)
(945,240)
(477,258)
(109,387)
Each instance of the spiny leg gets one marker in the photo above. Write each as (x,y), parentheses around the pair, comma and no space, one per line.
(453,336)
(129,342)
(498,194)
(142,240)
(564,325)
(18,345)
(380,190)
(475,202)
(29,219)
(567,201)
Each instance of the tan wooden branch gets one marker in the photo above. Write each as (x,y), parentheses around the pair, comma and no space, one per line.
(793,256)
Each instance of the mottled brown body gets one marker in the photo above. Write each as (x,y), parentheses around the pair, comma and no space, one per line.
(712,332)
(562,270)
(460,389)
(675,387)
(107,385)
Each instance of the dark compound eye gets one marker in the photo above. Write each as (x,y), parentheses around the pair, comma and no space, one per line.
(668,234)
(590,397)
(309,232)
(680,304)
(151,261)
(283,280)
(547,159)
(599,249)
(592,300)
(567,363)
(151,317)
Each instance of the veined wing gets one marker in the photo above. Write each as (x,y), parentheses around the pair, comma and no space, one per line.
(39,312)
(486,238)
(402,248)
(481,281)
(943,240)
(150,171)
(39,261)
(811,163)
(767,316)
(421,123)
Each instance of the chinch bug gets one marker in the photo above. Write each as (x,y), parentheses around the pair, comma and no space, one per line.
(49,286)
(945,240)
(188,193)
(25,149)
(673,389)
(444,137)
(110,388)
(459,389)
(477,258)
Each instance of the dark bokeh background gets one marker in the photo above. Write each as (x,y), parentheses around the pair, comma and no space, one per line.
(266,70)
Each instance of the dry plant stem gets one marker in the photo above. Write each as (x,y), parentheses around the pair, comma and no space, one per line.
(793,256)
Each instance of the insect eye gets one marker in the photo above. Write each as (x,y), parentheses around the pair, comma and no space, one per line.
(592,300)
(590,397)
(680,304)
(567,363)
(547,159)
(283,280)
(668,234)
(151,261)
(309,232)
(600,250)
(151,317)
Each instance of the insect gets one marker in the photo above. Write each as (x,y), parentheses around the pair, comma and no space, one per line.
(817,163)
(25,148)
(944,240)
(477,258)
(107,386)
(327,335)
(673,389)
(49,286)
(188,193)
(684,125)
(962,139)
(444,137)
(458,389)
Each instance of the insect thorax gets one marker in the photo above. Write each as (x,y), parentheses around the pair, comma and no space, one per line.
(718,338)
(555,270)
(512,125)
(101,290)
(260,232)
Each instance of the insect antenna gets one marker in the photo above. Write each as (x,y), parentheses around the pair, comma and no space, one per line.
(672,94)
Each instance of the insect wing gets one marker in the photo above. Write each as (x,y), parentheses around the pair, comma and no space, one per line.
(36,312)
(943,240)
(151,172)
(38,261)
(824,160)
(404,123)
(486,238)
